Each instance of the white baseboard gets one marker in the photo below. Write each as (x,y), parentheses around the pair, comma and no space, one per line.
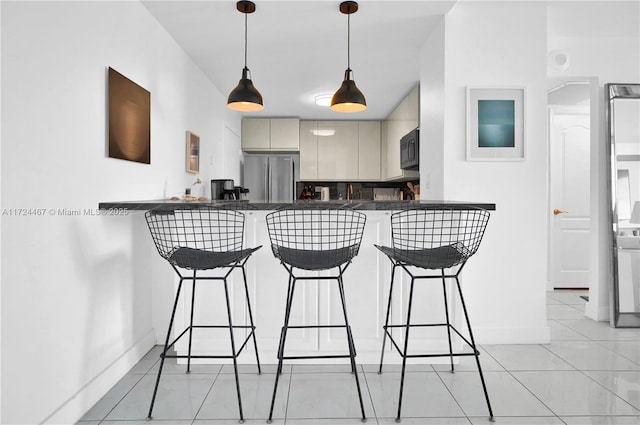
(597,313)
(77,405)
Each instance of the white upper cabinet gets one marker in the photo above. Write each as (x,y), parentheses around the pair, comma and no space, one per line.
(270,135)
(308,150)
(338,153)
(369,154)
(402,120)
(340,150)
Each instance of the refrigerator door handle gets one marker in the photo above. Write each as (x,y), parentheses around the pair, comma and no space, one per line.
(265,180)
(269,181)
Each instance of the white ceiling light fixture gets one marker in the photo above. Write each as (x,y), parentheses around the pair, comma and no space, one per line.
(323,99)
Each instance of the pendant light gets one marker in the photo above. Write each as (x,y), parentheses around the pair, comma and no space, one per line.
(245,97)
(348,98)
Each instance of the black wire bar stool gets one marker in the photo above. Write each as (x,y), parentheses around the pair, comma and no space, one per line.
(202,239)
(433,239)
(315,238)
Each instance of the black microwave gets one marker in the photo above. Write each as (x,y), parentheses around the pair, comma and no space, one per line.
(410,150)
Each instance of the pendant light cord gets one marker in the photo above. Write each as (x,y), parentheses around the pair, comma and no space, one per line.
(349,41)
(245,39)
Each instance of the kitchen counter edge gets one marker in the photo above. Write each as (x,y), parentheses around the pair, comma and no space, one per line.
(266,206)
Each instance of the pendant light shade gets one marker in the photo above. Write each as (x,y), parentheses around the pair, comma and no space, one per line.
(348,98)
(245,97)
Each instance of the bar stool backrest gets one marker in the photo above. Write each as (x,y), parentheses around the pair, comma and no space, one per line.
(297,233)
(205,229)
(438,238)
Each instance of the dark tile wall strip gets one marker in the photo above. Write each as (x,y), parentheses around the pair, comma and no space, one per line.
(361,190)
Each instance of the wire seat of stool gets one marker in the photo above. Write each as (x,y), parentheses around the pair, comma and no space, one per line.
(199,239)
(433,239)
(316,239)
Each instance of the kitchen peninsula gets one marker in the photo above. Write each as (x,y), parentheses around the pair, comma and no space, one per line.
(367,287)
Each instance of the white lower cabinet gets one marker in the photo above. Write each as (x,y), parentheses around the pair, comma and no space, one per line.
(366,283)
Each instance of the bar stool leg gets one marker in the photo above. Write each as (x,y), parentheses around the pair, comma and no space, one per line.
(253,327)
(406,344)
(164,351)
(352,350)
(446,312)
(283,332)
(193,298)
(386,321)
(233,349)
(283,337)
(475,349)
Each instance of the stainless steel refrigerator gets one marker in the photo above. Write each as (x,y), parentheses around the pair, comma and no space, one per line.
(269,177)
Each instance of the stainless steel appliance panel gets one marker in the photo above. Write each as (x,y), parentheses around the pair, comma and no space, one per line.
(256,177)
(281,180)
(269,177)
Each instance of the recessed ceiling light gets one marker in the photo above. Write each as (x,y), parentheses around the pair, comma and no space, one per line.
(323,99)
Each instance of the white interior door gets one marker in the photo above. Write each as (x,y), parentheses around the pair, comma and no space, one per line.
(570,198)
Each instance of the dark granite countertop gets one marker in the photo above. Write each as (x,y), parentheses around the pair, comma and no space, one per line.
(267,206)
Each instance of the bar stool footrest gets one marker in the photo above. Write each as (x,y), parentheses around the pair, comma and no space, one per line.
(409,356)
(328,356)
(171,356)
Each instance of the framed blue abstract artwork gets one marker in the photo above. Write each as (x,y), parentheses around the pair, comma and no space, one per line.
(495,124)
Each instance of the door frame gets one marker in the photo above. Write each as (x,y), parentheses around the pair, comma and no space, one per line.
(556,110)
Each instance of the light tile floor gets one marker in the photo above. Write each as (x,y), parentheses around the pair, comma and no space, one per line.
(589,374)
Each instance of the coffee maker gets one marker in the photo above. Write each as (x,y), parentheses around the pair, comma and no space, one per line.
(222,189)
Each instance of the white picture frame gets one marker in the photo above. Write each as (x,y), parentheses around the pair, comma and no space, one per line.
(496,124)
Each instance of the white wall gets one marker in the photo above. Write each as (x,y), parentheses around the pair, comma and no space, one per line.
(432,83)
(605,60)
(77,290)
(496,45)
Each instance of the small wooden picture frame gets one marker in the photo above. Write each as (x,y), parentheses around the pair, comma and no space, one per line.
(193,153)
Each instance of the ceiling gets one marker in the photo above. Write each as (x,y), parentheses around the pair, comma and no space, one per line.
(298,49)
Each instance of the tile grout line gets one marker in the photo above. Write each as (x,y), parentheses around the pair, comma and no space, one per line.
(582,371)
(373,406)
(453,396)
(523,385)
(599,342)
(286,404)
(207,394)
(127,393)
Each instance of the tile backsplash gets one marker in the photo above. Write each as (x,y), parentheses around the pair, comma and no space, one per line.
(361,190)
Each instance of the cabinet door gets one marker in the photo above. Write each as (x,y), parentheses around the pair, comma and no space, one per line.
(308,151)
(285,134)
(366,286)
(369,150)
(394,133)
(402,120)
(256,134)
(338,154)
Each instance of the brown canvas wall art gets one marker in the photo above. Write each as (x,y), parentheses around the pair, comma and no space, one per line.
(129,119)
